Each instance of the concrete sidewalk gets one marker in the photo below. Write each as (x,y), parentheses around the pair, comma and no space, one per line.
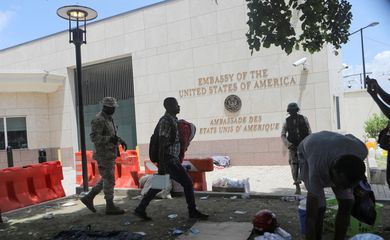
(271,180)
(264,180)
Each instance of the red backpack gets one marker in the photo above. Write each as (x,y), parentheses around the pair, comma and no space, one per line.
(187,132)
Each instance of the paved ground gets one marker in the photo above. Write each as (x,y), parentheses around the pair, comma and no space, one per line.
(275,180)
(30,223)
(265,180)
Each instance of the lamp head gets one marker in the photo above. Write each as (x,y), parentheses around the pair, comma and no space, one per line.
(76,13)
(373,24)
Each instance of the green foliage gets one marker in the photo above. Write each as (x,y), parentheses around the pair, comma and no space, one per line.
(374,125)
(322,21)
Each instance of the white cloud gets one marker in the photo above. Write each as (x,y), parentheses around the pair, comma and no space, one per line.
(5,17)
(379,68)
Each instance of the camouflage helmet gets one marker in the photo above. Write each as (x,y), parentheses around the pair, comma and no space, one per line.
(110,102)
(292,106)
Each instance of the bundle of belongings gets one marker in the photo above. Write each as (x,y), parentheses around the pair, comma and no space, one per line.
(145,183)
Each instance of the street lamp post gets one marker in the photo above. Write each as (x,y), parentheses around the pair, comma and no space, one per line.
(77,36)
(360,77)
(361,40)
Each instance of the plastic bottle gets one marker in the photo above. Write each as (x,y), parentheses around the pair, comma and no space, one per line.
(283,233)
(378,152)
(371,152)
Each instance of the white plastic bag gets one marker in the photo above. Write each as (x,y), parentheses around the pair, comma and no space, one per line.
(146,183)
(367,236)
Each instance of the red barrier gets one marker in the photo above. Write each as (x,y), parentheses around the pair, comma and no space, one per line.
(79,170)
(150,167)
(127,171)
(54,178)
(199,181)
(199,164)
(8,200)
(23,185)
(130,157)
(31,184)
(95,175)
(197,171)
(40,174)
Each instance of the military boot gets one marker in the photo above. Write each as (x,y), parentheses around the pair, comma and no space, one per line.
(88,200)
(111,209)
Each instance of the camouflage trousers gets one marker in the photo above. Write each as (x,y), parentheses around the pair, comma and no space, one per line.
(294,165)
(107,183)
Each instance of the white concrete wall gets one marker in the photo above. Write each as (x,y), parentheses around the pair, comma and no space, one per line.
(173,44)
(358,108)
(33,106)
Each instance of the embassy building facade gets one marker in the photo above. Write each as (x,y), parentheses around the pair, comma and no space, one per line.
(193,50)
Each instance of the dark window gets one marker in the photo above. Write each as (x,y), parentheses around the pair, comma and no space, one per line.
(110,79)
(16,132)
(2,138)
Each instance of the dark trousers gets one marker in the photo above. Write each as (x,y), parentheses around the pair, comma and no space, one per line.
(179,174)
(388,170)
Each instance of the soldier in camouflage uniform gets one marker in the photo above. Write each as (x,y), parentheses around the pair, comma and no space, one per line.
(294,130)
(104,137)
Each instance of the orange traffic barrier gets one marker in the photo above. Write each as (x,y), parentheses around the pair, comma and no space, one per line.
(79,170)
(40,178)
(199,181)
(133,159)
(55,177)
(199,164)
(94,176)
(92,168)
(127,169)
(150,167)
(8,200)
(197,171)
(31,184)
(23,185)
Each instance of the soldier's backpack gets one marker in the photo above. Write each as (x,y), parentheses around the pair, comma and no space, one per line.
(154,140)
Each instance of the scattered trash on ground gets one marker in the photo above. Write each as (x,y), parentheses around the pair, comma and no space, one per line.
(204,198)
(233,197)
(126,222)
(140,233)
(176,232)
(137,197)
(221,161)
(48,216)
(68,204)
(283,233)
(269,236)
(172,216)
(239,212)
(231,182)
(245,196)
(4,219)
(366,236)
(194,231)
(292,198)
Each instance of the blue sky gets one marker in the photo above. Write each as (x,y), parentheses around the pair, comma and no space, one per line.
(25,20)
(376,42)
